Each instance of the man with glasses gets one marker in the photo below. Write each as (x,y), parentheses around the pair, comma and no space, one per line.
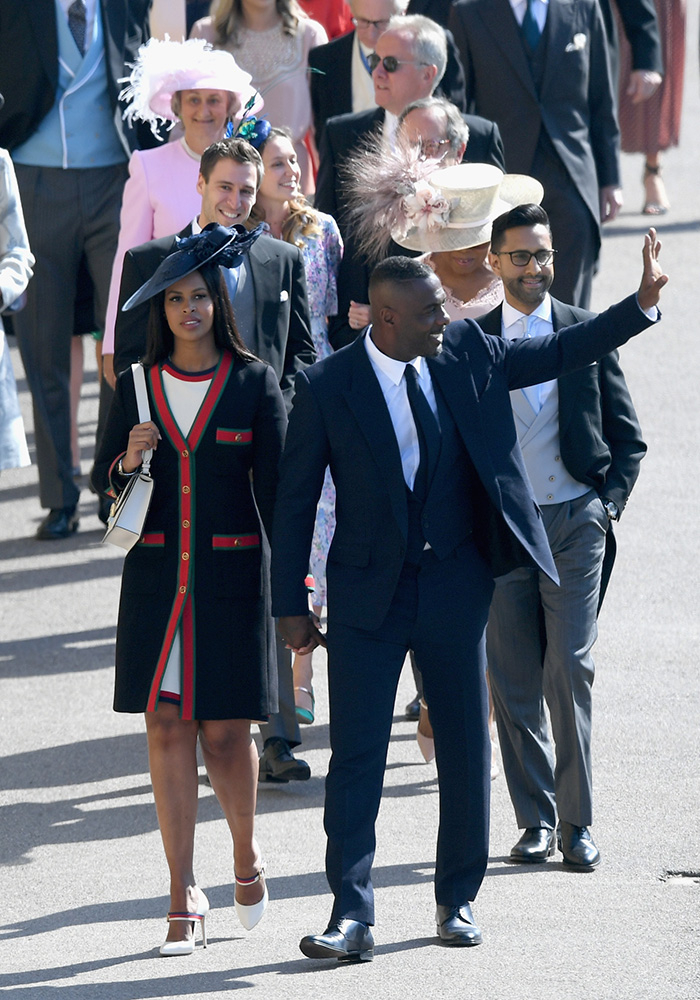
(342,81)
(582,445)
(415,51)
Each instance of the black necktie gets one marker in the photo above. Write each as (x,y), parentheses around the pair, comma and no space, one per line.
(530,28)
(427,429)
(77,22)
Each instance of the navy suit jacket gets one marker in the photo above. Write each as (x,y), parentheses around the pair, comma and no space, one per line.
(282,334)
(339,418)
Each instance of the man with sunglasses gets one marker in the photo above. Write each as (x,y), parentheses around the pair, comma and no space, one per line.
(341,78)
(582,445)
(411,59)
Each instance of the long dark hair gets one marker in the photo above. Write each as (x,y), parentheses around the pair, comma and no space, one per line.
(161,340)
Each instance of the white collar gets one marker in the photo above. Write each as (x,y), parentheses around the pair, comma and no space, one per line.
(393,369)
(511,315)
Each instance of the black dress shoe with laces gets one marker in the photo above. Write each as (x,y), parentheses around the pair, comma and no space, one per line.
(59,523)
(455,925)
(346,940)
(278,763)
(577,846)
(536,845)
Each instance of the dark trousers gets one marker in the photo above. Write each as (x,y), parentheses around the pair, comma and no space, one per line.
(70,215)
(440,611)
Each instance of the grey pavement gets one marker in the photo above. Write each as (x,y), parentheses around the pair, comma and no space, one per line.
(83,877)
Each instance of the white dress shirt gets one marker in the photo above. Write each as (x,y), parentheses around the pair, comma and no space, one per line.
(89,17)
(390,375)
(515,324)
(361,84)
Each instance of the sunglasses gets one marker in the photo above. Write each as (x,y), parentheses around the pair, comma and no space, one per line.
(390,63)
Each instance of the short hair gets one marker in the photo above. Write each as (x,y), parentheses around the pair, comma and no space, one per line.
(237,150)
(397,270)
(429,41)
(521,215)
(456,129)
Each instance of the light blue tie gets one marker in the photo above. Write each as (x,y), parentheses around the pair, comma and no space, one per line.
(531,392)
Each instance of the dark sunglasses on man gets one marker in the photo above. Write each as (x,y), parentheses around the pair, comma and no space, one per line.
(390,63)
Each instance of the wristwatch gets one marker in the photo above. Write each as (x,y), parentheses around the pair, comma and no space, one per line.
(611,509)
(122,471)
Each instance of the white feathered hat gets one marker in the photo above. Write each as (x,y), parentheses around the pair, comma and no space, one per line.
(163,67)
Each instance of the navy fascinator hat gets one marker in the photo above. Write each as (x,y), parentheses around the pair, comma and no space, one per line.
(214,245)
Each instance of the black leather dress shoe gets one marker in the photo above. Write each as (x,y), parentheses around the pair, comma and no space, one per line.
(278,763)
(346,940)
(536,845)
(577,846)
(412,710)
(455,925)
(59,523)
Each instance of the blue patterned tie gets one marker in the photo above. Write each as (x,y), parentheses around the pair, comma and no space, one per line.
(77,22)
(530,28)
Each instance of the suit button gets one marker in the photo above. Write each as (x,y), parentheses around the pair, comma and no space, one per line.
(550,496)
(552,479)
(185,556)
(185,524)
(185,453)
(557,458)
(185,489)
(183,590)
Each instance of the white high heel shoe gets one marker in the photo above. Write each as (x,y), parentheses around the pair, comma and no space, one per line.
(186,947)
(249,916)
(424,734)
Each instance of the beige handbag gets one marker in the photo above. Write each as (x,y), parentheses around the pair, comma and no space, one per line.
(129,511)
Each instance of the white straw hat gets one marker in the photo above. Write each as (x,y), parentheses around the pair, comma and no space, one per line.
(453,209)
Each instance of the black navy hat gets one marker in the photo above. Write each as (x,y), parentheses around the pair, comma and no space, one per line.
(215,244)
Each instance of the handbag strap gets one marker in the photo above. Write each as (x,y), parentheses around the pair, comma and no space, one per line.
(143,408)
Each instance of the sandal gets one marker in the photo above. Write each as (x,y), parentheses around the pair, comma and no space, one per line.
(656,202)
(186,947)
(305,716)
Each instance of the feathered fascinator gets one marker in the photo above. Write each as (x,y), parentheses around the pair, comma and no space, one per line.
(400,195)
(163,67)
(215,244)
(254,130)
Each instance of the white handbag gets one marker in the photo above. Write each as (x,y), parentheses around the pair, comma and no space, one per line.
(129,511)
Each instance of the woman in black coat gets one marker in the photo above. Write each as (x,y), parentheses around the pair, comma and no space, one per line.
(195,644)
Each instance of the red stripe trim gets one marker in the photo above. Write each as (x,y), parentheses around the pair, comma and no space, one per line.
(153,538)
(235,541)
(170,427)
(211,399)
(232,435)
(205,376)
(187,703)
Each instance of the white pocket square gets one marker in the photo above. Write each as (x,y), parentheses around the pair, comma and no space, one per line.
(578,44)
(284,295)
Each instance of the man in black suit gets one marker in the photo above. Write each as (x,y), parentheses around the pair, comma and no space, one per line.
(342,81)
(541,71)
(60,73)
(582,446)
(272,315)
(417,47)
(432,501)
